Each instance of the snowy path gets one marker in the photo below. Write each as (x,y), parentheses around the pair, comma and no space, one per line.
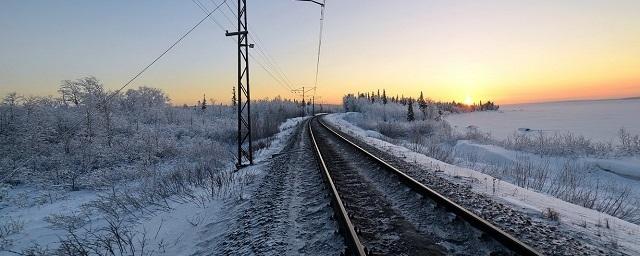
(287,214)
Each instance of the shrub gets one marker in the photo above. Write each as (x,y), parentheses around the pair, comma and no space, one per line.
(551,214)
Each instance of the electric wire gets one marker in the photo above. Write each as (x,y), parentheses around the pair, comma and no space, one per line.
(280,81)
(270,62)
(261,49)
(324,2)
(266,69)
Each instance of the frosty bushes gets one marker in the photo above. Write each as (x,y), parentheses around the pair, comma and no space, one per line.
(121,208)
(630,144)
(567,183)
(556,144)
(136,152)
(9,227)
(569,144)
(89,130)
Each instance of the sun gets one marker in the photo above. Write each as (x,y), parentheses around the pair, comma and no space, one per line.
(468,100)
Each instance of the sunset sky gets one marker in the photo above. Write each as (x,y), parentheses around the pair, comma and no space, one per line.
(507,51)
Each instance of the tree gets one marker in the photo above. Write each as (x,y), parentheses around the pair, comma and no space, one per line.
(88,93)
(204,102)
(384,97)
(410,116)
(384,102)
(10,101)
(70,92)
(422,105)
(233,97)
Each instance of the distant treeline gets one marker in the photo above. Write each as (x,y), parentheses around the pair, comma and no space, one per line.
(424,104)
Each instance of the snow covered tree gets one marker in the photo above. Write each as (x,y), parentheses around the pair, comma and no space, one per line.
(384,97)
(410,115)
(422,105)
(204,102)
(70,92)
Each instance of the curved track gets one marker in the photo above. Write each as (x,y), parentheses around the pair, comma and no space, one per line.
(385,212)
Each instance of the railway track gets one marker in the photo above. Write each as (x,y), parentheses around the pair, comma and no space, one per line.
(383,211)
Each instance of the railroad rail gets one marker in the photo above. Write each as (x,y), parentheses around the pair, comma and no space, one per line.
(351,232)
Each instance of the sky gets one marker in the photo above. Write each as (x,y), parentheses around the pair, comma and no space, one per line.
(500,50)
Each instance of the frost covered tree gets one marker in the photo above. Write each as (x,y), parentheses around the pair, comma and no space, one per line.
(384,97)
(410,115)
(422,105)
(204,102)
(7,119)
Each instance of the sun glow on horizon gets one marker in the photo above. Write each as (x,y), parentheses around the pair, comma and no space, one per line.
(468,100)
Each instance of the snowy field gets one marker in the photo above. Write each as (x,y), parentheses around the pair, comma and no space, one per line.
(596,120)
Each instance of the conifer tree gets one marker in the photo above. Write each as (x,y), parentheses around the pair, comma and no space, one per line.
(233,96)
(410,116)
(204,102)
(422,105)
(384,97)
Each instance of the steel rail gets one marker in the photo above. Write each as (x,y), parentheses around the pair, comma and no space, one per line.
(476,221)
(354,246)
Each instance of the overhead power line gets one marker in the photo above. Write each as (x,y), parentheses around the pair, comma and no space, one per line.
(320,40)
(166,51)
(322,5)
(266,65)
(261,49)
(280,81)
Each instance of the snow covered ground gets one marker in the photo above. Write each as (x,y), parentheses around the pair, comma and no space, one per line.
(188,227)
(591,225)
(176,228)
(615,170)
(596,120)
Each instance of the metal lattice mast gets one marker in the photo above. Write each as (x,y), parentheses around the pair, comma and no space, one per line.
(245,150)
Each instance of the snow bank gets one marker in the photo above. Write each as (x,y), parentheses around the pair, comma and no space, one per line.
(488,153)
(626,167)
(279,140)
(33,215)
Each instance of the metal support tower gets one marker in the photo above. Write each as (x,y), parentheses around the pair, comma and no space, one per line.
(304,100)
(245,149)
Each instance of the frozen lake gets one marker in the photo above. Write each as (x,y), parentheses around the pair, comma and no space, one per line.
(597,120)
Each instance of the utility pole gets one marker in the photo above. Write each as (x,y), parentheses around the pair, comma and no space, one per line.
(245,153)
(303,91)
(313,105)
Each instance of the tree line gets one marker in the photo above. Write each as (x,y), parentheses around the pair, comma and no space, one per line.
(87,128)
(428,108)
